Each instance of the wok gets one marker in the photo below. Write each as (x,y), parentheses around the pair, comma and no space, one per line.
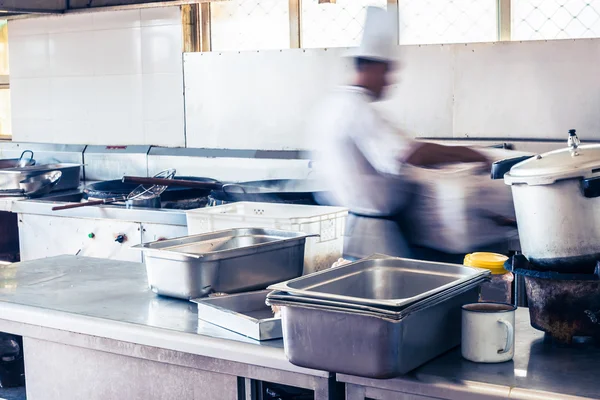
(292,191)
(116,188)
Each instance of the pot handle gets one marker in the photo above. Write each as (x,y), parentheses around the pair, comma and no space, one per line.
(499,168)
(510,336)
(591,187)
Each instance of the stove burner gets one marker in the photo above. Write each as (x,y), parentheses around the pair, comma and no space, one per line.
(565,306)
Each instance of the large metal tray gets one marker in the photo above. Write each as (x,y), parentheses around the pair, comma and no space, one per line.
(10,178)
(373,346)
(386,312)
(243,313)
(229,261)
(381,281)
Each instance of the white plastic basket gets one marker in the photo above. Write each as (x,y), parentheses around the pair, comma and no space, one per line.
(327,222)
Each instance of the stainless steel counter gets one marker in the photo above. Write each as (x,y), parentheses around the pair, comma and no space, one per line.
(110,298)
(85,318)
(540,370)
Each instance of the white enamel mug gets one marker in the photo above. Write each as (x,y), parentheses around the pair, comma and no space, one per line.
(488,332)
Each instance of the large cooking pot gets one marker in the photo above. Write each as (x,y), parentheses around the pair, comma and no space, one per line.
(557,205)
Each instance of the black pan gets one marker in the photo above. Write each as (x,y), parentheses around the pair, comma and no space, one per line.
(289,191)
(116,188)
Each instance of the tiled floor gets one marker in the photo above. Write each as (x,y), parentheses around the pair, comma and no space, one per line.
(13,394)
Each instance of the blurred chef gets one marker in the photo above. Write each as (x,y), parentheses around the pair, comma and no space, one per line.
(361,156)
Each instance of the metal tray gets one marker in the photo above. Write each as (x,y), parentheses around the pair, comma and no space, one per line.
(11,178)
(372,346)
(229,261)
(243,313)
(282,297)
(381,281)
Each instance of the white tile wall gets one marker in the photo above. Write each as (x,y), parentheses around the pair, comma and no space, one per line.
(99,78)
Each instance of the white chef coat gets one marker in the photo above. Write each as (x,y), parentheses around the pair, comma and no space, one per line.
(359,155)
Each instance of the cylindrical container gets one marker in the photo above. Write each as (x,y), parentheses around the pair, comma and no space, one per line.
(488,332)
(499,288)
(557,205)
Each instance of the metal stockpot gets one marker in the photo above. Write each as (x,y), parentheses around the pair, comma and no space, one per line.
(557,204)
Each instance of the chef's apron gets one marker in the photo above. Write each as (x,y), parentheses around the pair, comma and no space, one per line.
(367,232)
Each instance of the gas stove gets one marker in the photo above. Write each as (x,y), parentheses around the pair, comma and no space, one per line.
(564,305)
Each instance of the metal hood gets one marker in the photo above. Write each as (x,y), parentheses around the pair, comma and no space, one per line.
(11,8)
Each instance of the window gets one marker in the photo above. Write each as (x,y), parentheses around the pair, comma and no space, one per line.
(271,24)
(555,19)
(457,21)
(338,24)
(5,129)
(250,25)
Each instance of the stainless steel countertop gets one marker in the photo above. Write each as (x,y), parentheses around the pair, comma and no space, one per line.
(539,365)
(109,298)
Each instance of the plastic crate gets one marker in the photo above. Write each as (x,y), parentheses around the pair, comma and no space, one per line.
(327,222)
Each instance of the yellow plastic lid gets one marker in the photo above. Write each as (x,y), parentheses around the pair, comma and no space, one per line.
(492,261)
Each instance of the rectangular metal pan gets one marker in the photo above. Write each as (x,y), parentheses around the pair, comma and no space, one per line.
(230,261)
(381,281)
(363,344)
(280,297)
(10,178)
(243,313)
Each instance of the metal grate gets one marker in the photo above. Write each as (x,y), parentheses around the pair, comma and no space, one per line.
(448,21)
(555,19)
(338,24)
(250,25)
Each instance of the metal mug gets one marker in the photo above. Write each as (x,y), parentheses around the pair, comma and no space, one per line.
(488,332)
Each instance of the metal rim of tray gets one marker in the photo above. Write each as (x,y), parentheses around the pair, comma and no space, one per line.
(397,317)
(277,299)
(394,303)
(282,296)
(203,300)
(145,247)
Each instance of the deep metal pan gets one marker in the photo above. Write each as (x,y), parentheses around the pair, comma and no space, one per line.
(22,161)
(373,346)
(230,261)
(381,281)
(11,178)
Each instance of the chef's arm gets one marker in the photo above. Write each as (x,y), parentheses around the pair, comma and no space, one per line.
(426,154)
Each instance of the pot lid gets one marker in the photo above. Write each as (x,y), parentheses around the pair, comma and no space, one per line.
(572,162)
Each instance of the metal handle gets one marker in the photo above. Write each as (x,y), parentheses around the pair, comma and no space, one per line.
(499,168)
(87,204)
(224,188)
(25,152)
(590,187)
(173,182)
(510,336)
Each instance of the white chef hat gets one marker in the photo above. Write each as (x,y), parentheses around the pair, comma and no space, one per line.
(379,36)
